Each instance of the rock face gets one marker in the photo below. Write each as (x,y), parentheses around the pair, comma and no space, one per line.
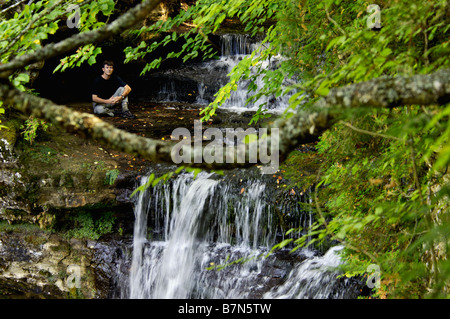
(38,264)
(60,172)
(57,188)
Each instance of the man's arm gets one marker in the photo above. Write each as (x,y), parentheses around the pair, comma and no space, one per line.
(126,91)
(112,99)
(96,99)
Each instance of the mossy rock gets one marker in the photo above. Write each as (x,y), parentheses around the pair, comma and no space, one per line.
(11,132)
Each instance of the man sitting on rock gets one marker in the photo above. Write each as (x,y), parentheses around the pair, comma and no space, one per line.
(108,91)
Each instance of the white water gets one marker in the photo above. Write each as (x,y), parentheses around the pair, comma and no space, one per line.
(236,47)
(169,268)
(310,279)
(211,75)
(6,153)
(177,256)
(201,224)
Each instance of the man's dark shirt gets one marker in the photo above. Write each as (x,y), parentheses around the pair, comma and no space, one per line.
(104,89)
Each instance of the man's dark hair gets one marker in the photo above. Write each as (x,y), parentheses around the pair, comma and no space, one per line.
(108,62)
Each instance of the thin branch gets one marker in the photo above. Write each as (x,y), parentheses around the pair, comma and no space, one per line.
(333,21)
(428,219)
(25,30)
(369,132)
(12,6)
(425,49)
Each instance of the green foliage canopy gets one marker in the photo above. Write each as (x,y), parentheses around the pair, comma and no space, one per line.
(386,194)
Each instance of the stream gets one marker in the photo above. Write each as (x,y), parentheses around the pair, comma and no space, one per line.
(208,237)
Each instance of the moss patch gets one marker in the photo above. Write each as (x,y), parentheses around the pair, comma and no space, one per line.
(85,224)
(11,132)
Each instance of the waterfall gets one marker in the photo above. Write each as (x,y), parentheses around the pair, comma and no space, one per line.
(177,255)
(192,219)
(235,47)
(206,238)
(315,278)
(168,92)
(198,82)
(139,239)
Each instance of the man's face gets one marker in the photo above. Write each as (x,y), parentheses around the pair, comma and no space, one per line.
(108,69)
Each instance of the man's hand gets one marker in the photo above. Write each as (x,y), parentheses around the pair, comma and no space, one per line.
(114,99)
(111,100)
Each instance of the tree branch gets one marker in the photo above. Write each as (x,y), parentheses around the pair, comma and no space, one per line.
(91,127)
(31,24)
(389,92)
(12,6)
(124,22)
(302,127)
(333,21)
(370,133)
(382,92)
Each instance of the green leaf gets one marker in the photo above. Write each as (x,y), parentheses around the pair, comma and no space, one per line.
(23,77)
(91,60)
(322,90)
(386,52)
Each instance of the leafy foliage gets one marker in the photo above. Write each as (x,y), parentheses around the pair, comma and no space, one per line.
(30,128)
(111,176)
(24,31)
(383,187)
(385,194)
(86,225)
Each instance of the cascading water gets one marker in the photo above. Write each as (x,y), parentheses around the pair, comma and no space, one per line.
(311,279)
(6,153)
(197,83)
(236,47)
(171,277)
(198,226)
